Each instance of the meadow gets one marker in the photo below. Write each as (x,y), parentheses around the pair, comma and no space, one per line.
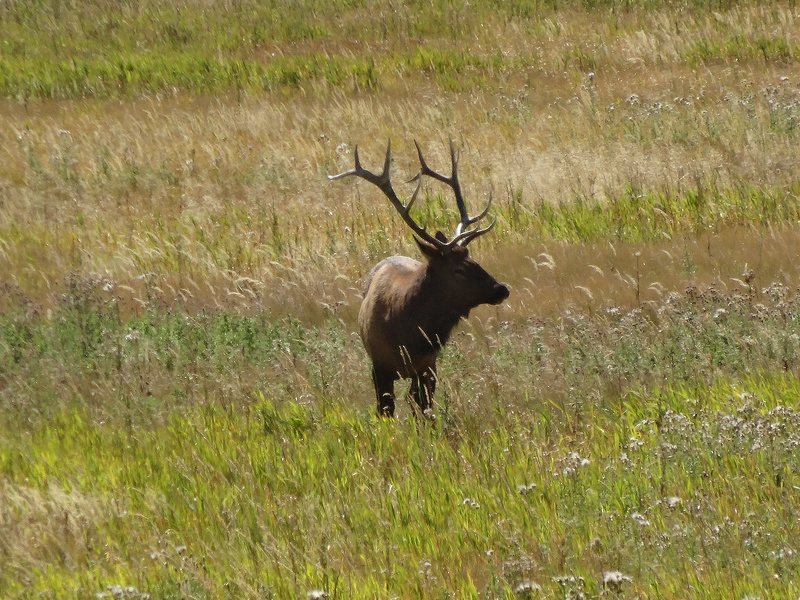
(185,406)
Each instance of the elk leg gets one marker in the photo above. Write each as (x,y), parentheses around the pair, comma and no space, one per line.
(384,389)
(422,388)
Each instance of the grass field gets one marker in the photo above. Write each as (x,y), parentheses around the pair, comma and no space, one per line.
(185,407)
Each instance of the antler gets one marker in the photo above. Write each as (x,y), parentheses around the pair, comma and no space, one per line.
(463,236)
(383,182)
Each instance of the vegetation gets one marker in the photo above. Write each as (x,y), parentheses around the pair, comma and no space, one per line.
(185,408)
(684,489)
(54,49)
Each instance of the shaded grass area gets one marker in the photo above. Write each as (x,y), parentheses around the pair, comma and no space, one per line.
(124,75)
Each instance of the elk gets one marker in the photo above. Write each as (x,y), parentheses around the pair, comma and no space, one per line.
(410,308)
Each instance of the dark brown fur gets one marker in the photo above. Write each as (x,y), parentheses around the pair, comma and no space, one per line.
(410,309)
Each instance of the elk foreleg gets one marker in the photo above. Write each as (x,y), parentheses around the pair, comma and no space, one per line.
(422,388)
(384,389)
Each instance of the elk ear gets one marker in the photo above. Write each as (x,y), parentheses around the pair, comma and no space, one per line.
(441,237)
(429,251)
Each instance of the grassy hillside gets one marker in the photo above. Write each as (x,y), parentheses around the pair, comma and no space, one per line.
(185,407)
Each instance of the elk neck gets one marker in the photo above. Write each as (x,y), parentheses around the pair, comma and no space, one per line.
(438,311)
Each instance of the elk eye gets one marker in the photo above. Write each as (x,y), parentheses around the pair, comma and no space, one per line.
(460,271)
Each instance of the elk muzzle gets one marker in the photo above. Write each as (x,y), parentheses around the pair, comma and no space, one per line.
(499,293)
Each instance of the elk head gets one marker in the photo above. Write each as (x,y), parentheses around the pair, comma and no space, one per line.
(410,308)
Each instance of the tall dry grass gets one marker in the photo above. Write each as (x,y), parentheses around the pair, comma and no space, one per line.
(185,406)
(210,196)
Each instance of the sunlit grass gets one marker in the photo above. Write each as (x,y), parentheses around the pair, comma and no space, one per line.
(213,194)
(273,500)
(186,407)
(580,349)
(124,49)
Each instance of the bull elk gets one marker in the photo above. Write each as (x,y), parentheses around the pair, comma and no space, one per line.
(410,308)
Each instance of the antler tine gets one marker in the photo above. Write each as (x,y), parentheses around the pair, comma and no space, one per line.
(462,239)
(353,171)
(476,218)
(455,185)
(360,171)
(383,182)
(452,181)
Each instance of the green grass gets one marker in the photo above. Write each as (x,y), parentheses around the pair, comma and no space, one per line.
(212,454)
(124,75)
(109,49)
(682,488)
(185,406)
(639,217)
(86,349)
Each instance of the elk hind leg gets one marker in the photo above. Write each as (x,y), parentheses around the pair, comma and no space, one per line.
(384,390)
(422,388)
